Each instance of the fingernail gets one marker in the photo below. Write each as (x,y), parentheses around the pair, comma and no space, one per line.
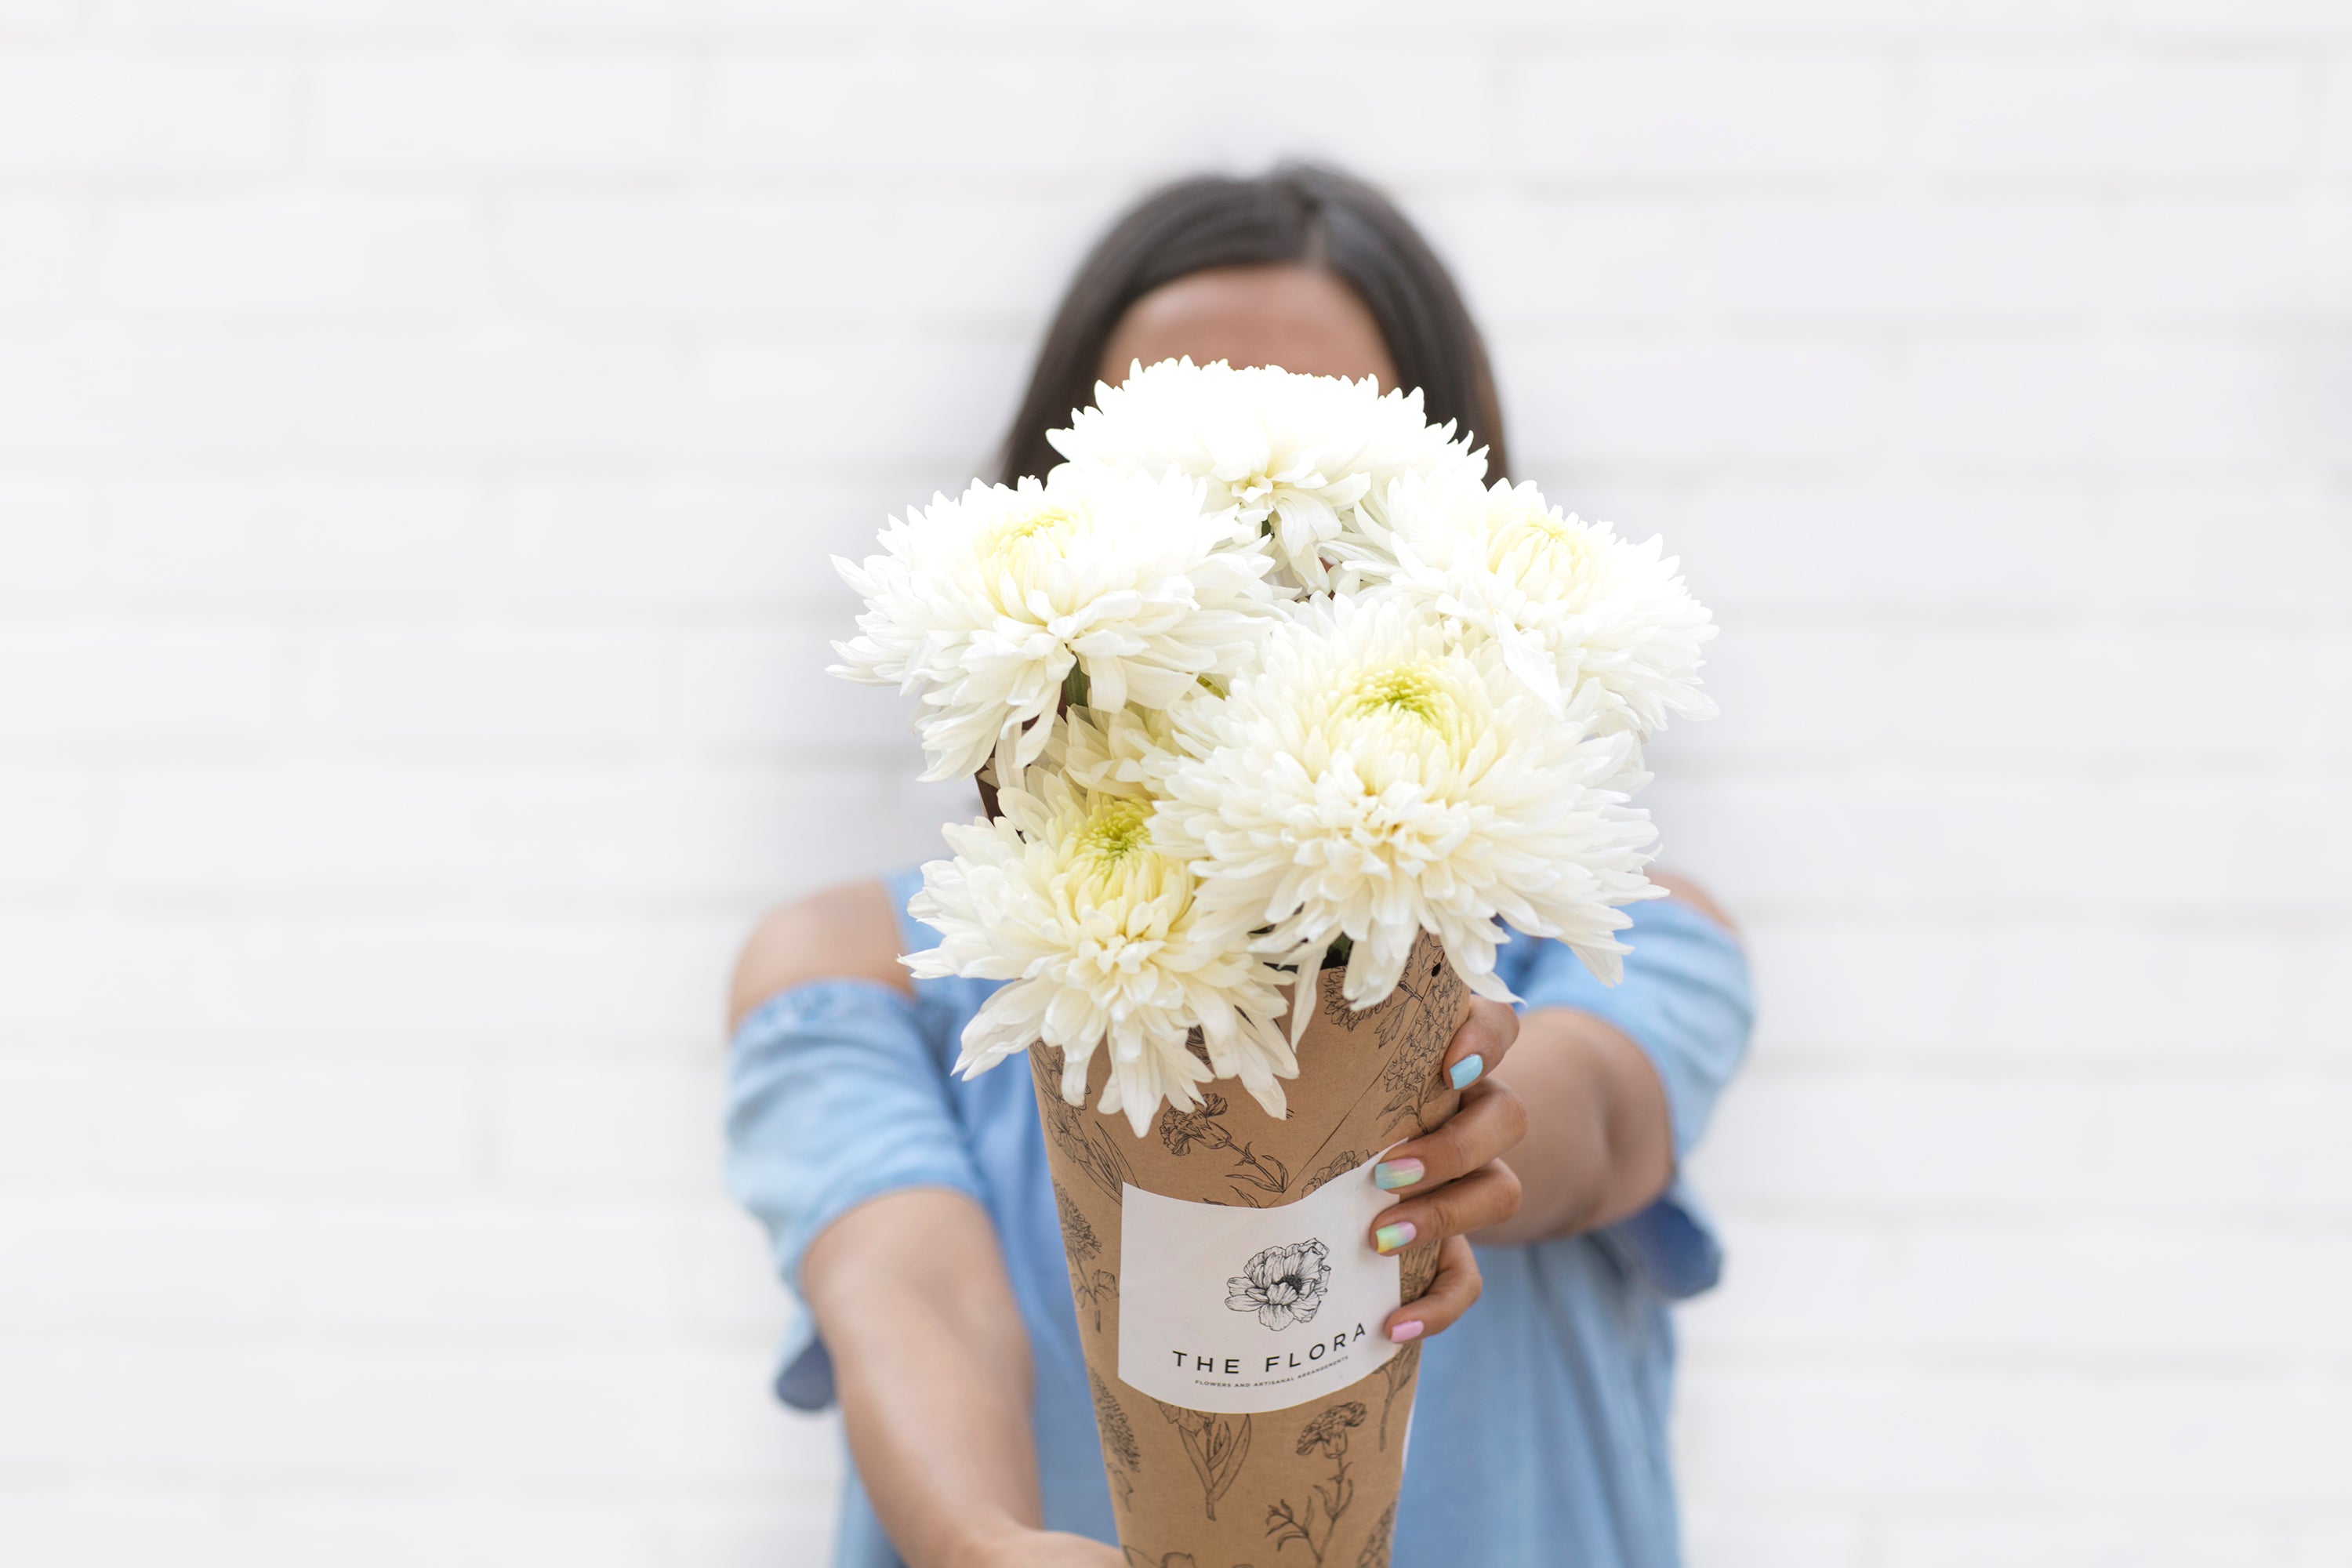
(1391,1236)
(1391,1175)
(1404,1331)
(1466,1071)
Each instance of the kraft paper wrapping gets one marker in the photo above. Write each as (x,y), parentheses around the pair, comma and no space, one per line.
(1313,1485)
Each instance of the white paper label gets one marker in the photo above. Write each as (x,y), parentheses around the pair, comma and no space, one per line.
(1236,1310)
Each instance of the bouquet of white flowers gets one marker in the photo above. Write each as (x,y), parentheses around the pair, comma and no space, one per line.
(1289,714)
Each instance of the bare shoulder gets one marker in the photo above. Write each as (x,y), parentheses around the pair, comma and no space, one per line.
(1688,891)
(849,932)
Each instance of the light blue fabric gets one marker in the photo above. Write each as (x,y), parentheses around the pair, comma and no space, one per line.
(1539,1430)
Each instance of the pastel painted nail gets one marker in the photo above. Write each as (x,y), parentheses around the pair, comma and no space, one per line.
(1403,1331)
(1391,1236)
(1466,1071)
(1391,1175)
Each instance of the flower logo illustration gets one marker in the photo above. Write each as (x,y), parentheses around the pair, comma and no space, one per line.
(1283,1285)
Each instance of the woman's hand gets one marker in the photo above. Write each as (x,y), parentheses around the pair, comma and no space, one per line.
(1453,1182)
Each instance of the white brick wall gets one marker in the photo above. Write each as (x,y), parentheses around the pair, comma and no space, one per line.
(422,426)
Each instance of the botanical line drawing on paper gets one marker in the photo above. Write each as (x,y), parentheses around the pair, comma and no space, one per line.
(1376,1549)
(1089,1288)
(1331,1170)
(1411,1075)
(1397,1373)
(1416,1271)
(1182,1131)
(1117,1439)
(1078,1239)
(1216,1444)
(1092,1292)
(1435,990)
(1080,1138)
(1314,1524)
(1283,1285)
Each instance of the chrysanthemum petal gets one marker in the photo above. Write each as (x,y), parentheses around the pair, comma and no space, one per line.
(1307,457)
(983,604)
(1374,778)
(1107,947)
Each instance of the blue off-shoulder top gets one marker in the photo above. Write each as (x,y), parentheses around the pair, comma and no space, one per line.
(1540,1426)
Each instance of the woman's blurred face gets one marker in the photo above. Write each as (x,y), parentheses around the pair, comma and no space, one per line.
(1299,318)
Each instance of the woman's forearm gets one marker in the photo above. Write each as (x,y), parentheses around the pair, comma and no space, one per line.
(931,1363)
(1599,1145)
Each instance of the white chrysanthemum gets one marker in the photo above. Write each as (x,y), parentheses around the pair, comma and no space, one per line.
(1374,778)
(1568,603)
(1111,753)
(984,603)
(1305,456)
(1102,942)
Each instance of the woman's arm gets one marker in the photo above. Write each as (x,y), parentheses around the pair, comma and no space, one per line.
(909,1292)
(910,1295)
(931,1362)
(848,933)
(1600,1144)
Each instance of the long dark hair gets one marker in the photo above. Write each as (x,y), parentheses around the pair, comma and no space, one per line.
(1300,213)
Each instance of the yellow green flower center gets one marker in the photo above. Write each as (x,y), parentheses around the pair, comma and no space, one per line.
(1115,873)
(1118,829)
(1027,539)
(1536,546)
(1403,689)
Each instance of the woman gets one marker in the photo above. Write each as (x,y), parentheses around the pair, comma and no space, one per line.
(912,1213)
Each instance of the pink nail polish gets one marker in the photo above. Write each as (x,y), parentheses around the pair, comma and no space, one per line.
(1404,1331)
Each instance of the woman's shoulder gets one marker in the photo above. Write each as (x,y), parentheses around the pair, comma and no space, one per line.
(1686,890)
(845,932)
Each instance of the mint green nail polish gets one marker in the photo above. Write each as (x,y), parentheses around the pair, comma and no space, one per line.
(1391,1236)
(1466,1071)
(1391,1175)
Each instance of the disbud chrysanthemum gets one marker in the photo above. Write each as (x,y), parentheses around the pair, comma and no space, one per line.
(1103,944)
(1567,602)
(984,606)
(1304,456)
(1375,778)
(1111,753)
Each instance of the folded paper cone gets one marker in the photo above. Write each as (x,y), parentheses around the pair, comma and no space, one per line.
(1230,1300)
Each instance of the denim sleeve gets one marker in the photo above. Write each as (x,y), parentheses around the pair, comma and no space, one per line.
(1686,1002)
(836,1095)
